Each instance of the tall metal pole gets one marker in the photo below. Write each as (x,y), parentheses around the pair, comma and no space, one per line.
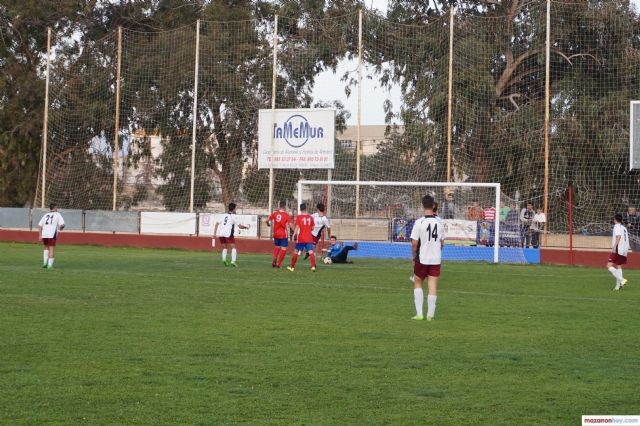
(570,224)
(273,110)
(358,135)
(547,106)
(496,237)
(116,147)
(45,125)
(195,116)
(450,95)
(329,190)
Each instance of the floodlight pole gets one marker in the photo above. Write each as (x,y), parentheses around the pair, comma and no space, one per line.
(358,135)
(273,113)
(45,125)
(496,220)
(452,11)
(547,106)
(117,124)
(195,116)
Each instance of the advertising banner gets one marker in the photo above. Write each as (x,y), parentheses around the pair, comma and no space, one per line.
(296,138)
(459,230)
(167,223)
(208,221)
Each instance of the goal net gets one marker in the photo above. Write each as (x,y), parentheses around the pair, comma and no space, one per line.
(380,216)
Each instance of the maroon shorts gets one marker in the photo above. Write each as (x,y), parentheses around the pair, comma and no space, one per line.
(227,240)
(316,239)
(49,242)
(424,271)
(616,259)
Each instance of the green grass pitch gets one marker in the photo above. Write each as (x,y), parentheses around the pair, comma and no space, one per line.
(128,336)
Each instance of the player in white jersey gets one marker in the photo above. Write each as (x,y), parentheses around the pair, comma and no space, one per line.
(427,239)
(49,226)
(224,229)
(619,250)
(321,222)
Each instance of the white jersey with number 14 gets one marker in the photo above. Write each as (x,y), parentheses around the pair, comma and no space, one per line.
(429,232)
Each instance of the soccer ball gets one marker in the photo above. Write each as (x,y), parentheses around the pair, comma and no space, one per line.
(327,261)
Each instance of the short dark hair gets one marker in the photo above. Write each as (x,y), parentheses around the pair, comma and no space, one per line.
(52,206)
(618,218)
(435,207)
(232,206)
(320,207)
(303,206)
(427,202)
(333,236)
(283,204)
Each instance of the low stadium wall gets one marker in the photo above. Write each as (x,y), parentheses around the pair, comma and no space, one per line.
(192,231)
(591,258)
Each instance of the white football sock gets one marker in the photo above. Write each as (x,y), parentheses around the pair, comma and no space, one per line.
(418,300)
(224,255)
(234,255)
(614,272)
(50,263)
(619,274)
(46,256)
(431,306)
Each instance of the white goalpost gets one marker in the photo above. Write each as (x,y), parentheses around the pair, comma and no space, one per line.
(465,208)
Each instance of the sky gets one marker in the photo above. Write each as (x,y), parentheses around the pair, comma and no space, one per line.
(328,86)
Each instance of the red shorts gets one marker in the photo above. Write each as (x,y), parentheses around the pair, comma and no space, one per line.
(227,240)
(316,239)
(616,259)
(49,242)
(423,271)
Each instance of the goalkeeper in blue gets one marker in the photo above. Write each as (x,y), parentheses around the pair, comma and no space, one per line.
(338,252)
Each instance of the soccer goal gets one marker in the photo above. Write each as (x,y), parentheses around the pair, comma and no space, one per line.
(380,216)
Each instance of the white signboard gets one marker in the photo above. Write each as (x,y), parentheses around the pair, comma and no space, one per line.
(296,138)
(460,230)
(208,221)
(167,223)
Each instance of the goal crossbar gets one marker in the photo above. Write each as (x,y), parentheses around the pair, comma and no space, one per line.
(496,186)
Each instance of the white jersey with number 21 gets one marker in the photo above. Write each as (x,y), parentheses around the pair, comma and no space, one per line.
(429,233)
(50,224)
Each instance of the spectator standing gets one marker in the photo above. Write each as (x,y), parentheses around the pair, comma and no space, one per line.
(487,225)
(512,215)
(537,226)
(632,219)
(449,208)
(526,219)
(474,212)
(504,211)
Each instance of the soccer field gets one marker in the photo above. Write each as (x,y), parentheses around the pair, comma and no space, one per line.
(116,335)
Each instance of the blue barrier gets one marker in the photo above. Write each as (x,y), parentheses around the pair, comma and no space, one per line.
(450,253)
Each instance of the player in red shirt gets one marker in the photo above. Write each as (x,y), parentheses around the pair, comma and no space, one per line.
(281,224)
(304,226)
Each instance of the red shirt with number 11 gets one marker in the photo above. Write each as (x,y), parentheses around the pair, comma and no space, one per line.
(305,223)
